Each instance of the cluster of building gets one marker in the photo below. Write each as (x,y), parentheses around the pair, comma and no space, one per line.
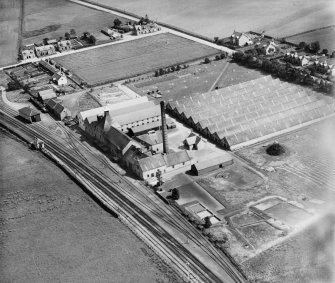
(49,48)
(145,28)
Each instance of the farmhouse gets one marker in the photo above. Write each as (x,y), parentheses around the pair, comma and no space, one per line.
(30,114)
(44,50)
(92,114)
(241,39)
(28,52)
(211,163)
(64,45)
(59,79)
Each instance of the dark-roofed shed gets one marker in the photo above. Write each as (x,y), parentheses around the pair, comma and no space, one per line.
(30,114)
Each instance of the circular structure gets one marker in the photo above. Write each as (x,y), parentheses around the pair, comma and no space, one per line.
(275,149)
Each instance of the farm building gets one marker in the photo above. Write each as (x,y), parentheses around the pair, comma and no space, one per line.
(48,67)
(28,52)
(45,95)
(52,41)
(244,113)
(45,50)
(152,141)
(59,79)
(57,109)
(268,48)
(111,33)
(30,114)
(241,39)
(92,114)
(64,45)
(211,163)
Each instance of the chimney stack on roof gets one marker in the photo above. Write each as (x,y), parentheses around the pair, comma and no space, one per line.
(164,129)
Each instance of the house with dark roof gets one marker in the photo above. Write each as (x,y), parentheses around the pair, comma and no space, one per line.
(56,108)
(29,114)
(98,128)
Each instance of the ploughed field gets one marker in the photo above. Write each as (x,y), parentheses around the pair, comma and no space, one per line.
(124,60)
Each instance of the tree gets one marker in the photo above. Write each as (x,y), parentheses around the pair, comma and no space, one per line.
(302,45)
(207,60)
(73,32)
(217,57)
(333,54)
(117,22)
(45,40)
(208,222)
(325,51)
(67,35)
(161,72)
(159,177)
(178,68)
(175,194)
(156,73)
(315,46)
(222,55)
(92,39)
(237,56)
(216,39)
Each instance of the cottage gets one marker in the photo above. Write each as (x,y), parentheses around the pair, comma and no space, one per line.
(241,39)
(211,163)
(45,50)
(29,114)
(60,79)
(64,45)
(269,48)
(28,52)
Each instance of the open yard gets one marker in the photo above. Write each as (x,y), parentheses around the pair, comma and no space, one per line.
(51,19)
(52,231)
(325,36)
(10,21)
(128,59)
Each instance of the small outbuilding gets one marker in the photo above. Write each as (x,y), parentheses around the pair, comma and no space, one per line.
(29,114)
(60,79)
(211,163)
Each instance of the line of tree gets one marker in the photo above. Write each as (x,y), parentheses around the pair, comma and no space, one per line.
(171,69)
(284,71)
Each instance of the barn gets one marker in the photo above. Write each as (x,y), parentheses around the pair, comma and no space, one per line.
(211,163)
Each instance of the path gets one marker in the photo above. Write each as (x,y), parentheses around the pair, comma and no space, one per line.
(219,77)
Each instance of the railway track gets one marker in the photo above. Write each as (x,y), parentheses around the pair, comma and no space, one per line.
(113,186)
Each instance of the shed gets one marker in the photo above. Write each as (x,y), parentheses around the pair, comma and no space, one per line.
(46,94)
(211,163)
(29,114)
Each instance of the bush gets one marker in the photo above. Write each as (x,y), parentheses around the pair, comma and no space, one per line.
(275,149)
(217,57)
(207,60)
(175,194)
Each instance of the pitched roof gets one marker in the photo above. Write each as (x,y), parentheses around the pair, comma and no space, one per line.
(52,103)
(118,138)
(151,162)
(145,127)
(47,94)
(174,158)
(27,111)
(213,160)
(152,139)
(139,115)
(59,108)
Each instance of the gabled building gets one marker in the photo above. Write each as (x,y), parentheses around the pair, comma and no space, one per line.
(241,39)
(28,52)
(194,142)
(45,95)
(152,141)
(268,48)
(295,59)
(146,28)
(98,128)
(59,79)
(45,50)
(56,108)
(64,45)
(29,114)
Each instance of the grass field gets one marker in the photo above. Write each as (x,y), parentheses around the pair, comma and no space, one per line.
(128,59)
(52,231)
(51,19)
(325,36)
(221,18)
(10,11)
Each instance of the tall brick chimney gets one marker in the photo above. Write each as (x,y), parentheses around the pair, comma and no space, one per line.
(164,129)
